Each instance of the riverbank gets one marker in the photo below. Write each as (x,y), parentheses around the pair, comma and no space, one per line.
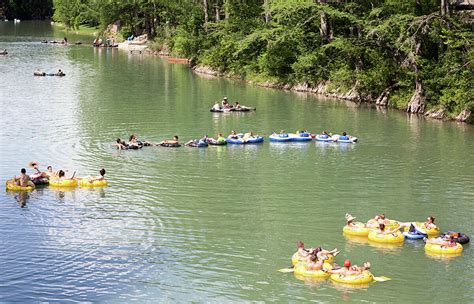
(327,89)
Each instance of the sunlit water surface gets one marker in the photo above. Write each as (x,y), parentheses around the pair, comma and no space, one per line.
(211,224)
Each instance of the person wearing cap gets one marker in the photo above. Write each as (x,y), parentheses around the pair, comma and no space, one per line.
(348,269)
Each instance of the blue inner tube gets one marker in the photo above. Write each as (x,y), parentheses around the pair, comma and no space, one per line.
(255,140)
(413,235)
(461,237)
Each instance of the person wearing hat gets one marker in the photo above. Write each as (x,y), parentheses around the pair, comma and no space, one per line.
(350,220)
(225,103)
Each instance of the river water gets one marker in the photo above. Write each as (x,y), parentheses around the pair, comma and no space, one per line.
(211,225)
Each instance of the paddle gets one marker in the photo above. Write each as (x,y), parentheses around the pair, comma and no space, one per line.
(286,270)
(381,279)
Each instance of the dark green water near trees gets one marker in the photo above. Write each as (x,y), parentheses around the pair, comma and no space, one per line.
(211,225)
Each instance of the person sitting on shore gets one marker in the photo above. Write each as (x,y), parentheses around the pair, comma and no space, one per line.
(23,180)
(233,135)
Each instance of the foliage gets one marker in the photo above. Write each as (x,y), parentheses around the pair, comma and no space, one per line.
(369,45)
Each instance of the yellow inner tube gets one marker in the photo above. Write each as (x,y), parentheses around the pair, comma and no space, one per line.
(97,183)
(436,248)
(358,230)
(295,259)
(70,183)
(396,237)
(429,231)
(390,224)
(363,278)
(12,186)
(300,269)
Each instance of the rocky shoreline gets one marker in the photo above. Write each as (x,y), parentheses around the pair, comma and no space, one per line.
(324,89)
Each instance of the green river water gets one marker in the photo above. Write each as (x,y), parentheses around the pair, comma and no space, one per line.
(213,224)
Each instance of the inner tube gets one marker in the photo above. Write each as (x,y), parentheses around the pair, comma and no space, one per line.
(222,110)
(459,237)
(170,145)
(391,224)
(323,137)
(363,278)
(12,186)
(68,183)
(85,183)
(358,230)
(296,258)
(413,235)
(300,137)
(199,144)
(279,137)
(241,110)
(436,248)
(300,269)
(39,74)
(40,181)
(218,143)
(420,227)
(396,237)
(254,140)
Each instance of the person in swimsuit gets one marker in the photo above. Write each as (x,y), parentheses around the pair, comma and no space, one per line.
(23,180)
(233,135)
(173,142)
(120,144)
(97,178)
(446,241)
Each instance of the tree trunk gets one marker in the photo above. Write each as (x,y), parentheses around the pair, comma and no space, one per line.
(268,13)
(325,29)
(417,102)
(218,13)
(445,8)
(226,9)
(206,15)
